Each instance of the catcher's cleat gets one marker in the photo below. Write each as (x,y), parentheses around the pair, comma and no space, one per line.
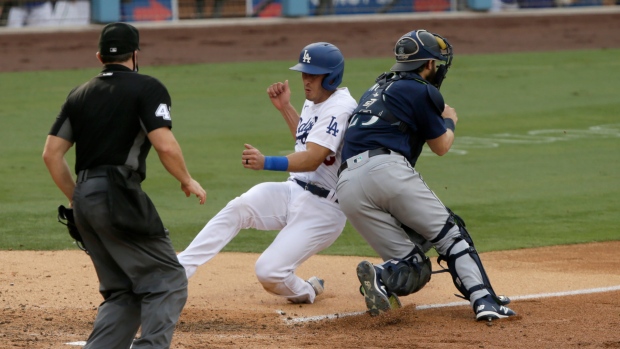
(486,308)
(394,302)
(503,300)
(393,299)
(317,284)
(374,292)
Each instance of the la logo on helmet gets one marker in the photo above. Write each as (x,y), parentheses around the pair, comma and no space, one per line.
(307,57)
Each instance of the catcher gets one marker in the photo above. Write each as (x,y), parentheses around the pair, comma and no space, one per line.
(386,199)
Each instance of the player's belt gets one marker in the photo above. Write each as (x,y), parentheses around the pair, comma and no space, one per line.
(371,153)
(316,190)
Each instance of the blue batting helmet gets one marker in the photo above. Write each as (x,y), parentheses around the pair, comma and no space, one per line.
(322,58)
(413,49)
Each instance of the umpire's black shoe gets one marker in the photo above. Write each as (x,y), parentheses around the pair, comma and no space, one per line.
(375,294)
(486,308)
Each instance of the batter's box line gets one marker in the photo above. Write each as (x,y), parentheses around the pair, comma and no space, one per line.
(297,320)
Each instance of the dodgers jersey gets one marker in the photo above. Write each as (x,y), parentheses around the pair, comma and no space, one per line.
(324,124)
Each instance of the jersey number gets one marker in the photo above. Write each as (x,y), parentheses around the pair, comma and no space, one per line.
(163,111)
(370,121)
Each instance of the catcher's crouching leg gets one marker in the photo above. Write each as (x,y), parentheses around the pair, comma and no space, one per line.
(468,273)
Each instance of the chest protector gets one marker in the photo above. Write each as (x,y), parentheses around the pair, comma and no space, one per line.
(373,101)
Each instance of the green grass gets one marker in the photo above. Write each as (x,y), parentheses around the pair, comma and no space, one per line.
(529,167)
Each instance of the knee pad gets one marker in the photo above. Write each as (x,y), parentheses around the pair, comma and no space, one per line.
(408,275)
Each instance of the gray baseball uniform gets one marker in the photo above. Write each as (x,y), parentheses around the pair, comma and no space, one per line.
(386,199)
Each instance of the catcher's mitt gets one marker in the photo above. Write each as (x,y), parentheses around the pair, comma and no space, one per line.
(66,215)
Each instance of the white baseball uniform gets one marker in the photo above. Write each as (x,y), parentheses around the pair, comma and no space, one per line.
(307,222)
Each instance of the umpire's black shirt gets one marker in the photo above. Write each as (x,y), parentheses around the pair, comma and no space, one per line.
(109,117)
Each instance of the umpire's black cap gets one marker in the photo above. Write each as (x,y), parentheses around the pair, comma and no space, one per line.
(118,38)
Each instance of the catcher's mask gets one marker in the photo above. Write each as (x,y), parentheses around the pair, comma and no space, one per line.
(322,58)
(415,48)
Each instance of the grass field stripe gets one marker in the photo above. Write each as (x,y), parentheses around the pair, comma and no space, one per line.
(456,304)
(543,136)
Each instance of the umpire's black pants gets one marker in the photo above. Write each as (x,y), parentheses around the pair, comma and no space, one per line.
(140,278)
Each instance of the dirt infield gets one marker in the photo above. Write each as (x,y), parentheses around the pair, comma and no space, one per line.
(50,298)
(566,296)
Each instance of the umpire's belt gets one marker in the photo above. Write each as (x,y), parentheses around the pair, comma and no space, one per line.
(314,189)
(371,153)
(99,171)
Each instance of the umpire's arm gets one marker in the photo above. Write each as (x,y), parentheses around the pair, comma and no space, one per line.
(171,157)
(54,158)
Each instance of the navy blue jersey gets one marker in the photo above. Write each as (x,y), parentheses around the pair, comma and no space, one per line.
(412,101)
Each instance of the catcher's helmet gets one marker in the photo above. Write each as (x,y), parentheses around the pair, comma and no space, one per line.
(322,58)
(415,48)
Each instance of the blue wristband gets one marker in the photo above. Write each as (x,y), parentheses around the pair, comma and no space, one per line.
(449,124)
(276,163)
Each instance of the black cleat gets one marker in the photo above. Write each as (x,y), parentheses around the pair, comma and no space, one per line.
(375,294)
(486,308)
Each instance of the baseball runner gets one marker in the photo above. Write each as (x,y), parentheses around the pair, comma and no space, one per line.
(386,199)
(113,119)
(304,208)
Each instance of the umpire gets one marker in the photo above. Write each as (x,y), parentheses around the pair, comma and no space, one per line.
(113,119)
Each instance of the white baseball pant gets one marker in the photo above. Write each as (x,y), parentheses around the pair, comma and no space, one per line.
(308,224)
